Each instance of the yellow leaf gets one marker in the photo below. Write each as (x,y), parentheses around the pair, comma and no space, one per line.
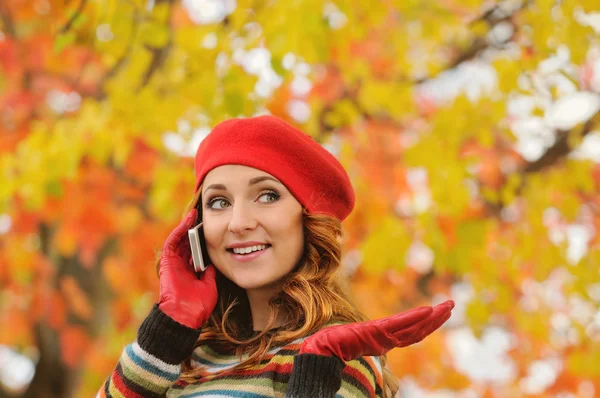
(386,247)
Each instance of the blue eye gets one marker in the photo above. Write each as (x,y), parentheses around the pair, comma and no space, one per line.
(223,203)
(271,196)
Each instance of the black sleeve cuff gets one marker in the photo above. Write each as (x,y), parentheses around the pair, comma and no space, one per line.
(315,376)
(166,339)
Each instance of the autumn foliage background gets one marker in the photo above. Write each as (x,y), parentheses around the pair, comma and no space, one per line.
(468,129)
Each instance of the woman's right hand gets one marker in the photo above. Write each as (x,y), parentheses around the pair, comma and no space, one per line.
(185,297)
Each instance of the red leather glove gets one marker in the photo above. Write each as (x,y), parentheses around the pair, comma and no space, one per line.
(185,297)
(377,337)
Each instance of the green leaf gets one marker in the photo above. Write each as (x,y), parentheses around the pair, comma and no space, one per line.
(54,188)
(63,40)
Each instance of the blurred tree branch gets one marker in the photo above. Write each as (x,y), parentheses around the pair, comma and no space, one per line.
(67,26)
(492,17)
(122,61)
(554,154)
(561,147)
(159,54)
(6,18)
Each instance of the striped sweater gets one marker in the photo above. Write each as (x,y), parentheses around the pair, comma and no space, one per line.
(150,367)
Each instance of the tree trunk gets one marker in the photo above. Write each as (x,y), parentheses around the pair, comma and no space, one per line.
(52,379)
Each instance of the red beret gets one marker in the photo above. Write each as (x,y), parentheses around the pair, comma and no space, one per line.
(313,175)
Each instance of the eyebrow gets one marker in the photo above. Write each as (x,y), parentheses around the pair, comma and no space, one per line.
(253,181)
(258,179)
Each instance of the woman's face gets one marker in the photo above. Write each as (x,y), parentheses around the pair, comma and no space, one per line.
(252,226)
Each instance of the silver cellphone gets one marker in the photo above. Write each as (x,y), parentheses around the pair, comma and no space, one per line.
(196,237)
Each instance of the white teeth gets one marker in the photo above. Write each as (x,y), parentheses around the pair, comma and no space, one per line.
(250,249)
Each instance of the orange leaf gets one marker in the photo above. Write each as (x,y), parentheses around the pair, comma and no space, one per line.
(19,330)
(77,300)
(142,162)
(113,271)
(74,342)
(98,359)
(121,313)
(57,312)
(65,240)
(448,227)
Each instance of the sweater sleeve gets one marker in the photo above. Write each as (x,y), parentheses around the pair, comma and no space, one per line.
(328,377)
(150,365)
(314,376)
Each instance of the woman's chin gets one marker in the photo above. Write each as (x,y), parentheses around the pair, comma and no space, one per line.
(251,282)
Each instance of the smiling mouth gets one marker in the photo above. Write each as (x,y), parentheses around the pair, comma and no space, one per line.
(248,250)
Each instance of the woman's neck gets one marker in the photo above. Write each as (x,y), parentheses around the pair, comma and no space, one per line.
(260,309)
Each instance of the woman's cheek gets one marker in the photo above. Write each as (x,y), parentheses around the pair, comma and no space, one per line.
(211,240)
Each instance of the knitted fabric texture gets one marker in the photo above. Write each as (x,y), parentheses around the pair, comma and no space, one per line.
(281,373)
(312,174)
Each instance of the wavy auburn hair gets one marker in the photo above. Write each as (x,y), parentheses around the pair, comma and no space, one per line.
(313,295)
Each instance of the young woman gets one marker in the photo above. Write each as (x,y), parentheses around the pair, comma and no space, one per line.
(270,317)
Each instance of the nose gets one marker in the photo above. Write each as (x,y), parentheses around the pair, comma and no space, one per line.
(242,219)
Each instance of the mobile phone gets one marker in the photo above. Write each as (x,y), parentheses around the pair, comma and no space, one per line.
(197,247)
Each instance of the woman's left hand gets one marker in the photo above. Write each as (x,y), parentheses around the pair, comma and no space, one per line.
(377,337)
